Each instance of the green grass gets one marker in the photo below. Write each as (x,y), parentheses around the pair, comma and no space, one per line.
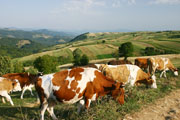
(104,108)
(92,45)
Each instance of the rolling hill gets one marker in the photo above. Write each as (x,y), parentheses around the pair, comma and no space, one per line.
(43,36)
(14,47)
(103,45)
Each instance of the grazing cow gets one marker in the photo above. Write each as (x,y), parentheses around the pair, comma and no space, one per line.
(73,85)
(142,63)
(119,62)
(7,86)
(131,74)
(26,80)
(161,64)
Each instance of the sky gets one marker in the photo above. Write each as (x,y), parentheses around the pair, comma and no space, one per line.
(92,15)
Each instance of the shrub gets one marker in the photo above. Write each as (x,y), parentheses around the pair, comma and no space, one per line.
(18,67)
(46,64)
(84,60)
(6,65)
(126,50)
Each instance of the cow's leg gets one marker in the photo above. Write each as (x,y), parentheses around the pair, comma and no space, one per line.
(43,109)
(165,74)
(81,105)
(3,100)
(8,98)
(161,74)
(24,89)
(50,109)
(30,89)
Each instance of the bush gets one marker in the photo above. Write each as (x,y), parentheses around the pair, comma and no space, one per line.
(46,64)
(84,60)
(6,65)
(32,70)
(126,50)
(18,67)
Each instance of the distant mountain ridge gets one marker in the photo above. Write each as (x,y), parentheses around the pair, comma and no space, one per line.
(43,36)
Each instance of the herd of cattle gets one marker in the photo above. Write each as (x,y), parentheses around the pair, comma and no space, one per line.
(85,84)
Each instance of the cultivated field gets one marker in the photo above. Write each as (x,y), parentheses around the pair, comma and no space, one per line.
(94,47)
(104,108)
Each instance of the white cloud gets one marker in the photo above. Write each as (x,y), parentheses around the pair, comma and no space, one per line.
(80,6)
(165,2)
(118,3)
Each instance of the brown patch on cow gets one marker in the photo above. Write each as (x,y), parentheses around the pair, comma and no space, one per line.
(143,77)
(39,89)
(141,62)
(23,78)
(78,90)
(60,80)
(119,62)
(76,73)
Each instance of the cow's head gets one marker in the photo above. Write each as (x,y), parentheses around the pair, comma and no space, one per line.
(16,85)
(176,72)
(153,79)
(118,92)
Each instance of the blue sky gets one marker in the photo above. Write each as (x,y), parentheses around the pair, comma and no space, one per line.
(108,15)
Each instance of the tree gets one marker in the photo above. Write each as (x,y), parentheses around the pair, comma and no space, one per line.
(77,53)
(126,50)
(18,67)
(84,60)
(6,65)
(46,64)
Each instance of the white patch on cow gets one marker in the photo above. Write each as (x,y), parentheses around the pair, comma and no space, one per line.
(17,87)
(97,65)
(93,97)
(70,80)
(154,81)
(47,85)
(133,73)
(113,66)
(87,76)
(176,73)
(56,88)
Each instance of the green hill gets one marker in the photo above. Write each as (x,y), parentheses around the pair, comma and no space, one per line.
(14,47)
(103,45)
(42,36)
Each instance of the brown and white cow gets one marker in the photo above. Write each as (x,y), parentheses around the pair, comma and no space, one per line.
(161,64)
(7,86)
(119,62)
(73,85)
(128,74)
(142,63)
(26,80)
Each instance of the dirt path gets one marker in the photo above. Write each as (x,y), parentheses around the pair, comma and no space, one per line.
(167,108)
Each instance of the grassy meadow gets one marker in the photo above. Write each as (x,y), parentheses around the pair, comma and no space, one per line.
(94,47)
(104,108)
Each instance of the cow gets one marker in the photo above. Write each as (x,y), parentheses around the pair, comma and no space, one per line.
(119,62)
(26,80)
(142,63)
(161,64)
(73,85)
(7,86)
(128,74)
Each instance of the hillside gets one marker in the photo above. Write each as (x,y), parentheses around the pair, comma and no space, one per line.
(103,45)
(14,47)
(42,36)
